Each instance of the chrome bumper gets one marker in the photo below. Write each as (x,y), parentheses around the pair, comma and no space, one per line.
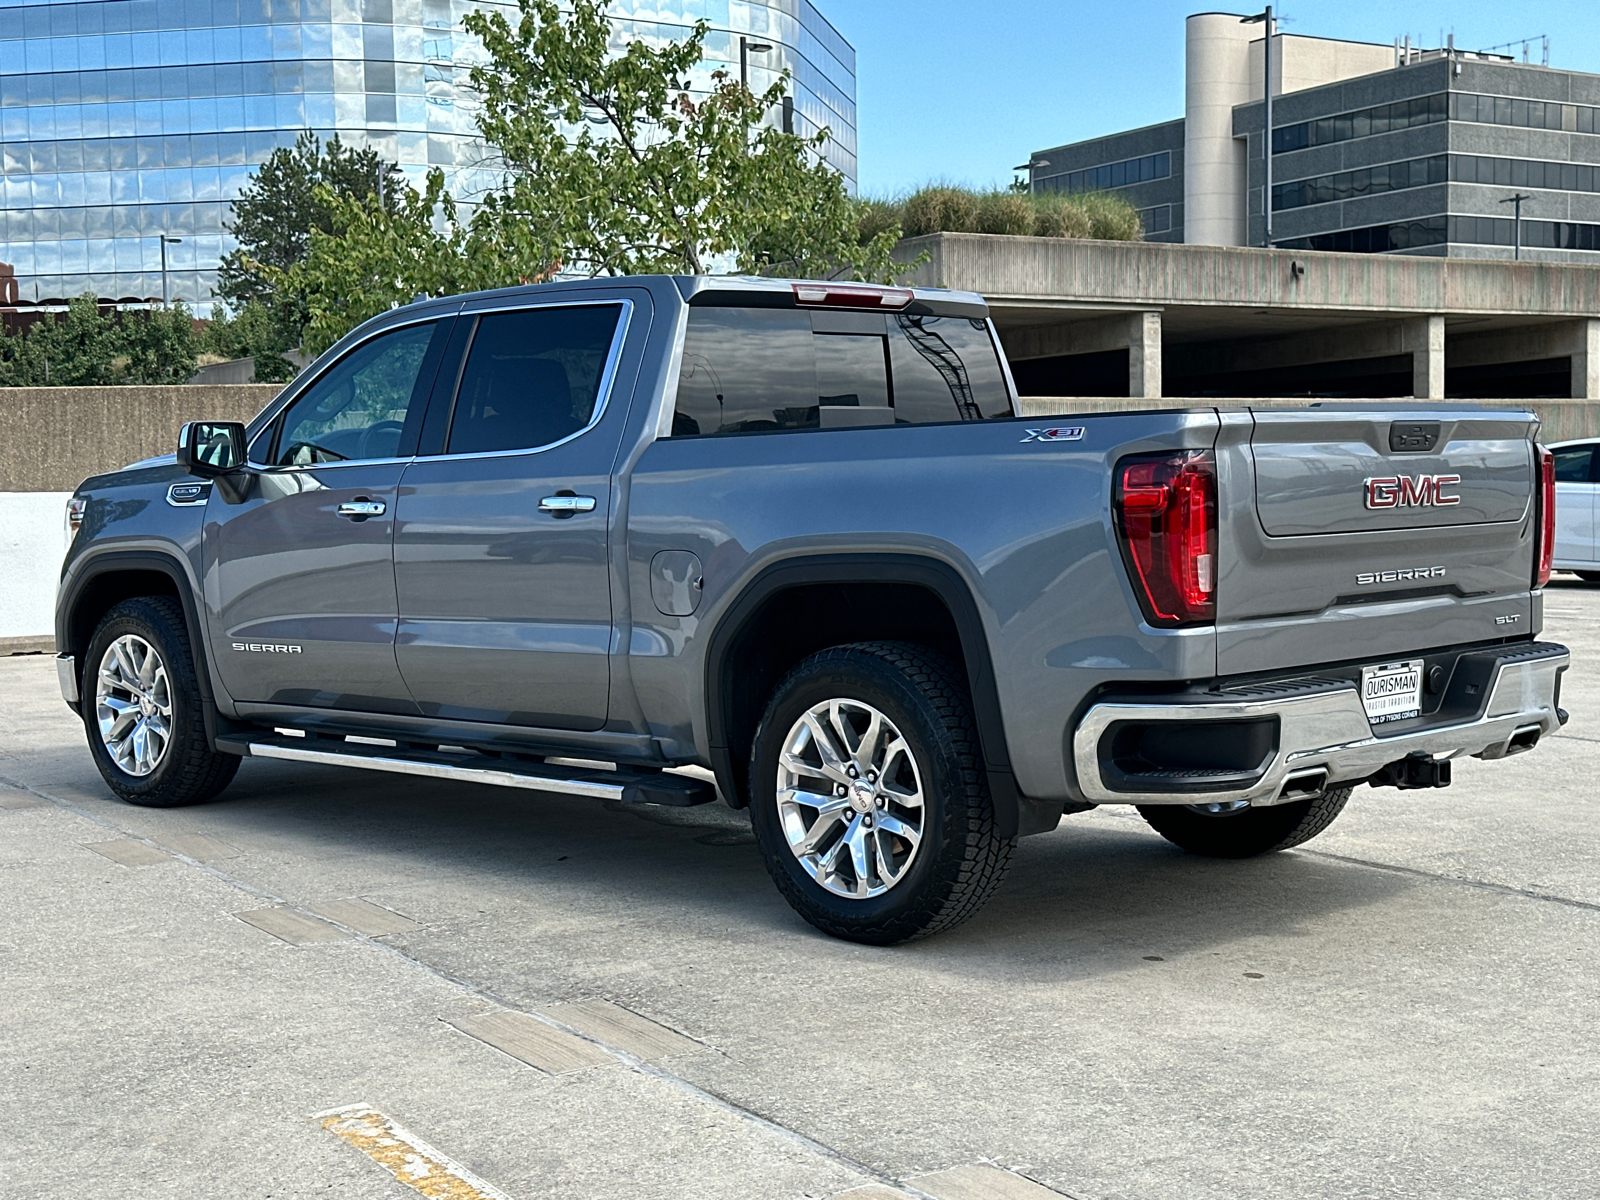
(1325,739)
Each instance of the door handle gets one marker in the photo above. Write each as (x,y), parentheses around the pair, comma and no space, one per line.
(566,506)
(362,508)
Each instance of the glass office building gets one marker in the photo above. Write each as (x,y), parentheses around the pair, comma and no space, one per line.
(125,120)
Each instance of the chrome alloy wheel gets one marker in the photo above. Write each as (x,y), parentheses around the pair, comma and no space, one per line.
(850,798)
(1219,808)
(133,705)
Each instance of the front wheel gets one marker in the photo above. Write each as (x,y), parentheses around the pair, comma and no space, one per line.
(142,708)
(869,798)
(1235,830)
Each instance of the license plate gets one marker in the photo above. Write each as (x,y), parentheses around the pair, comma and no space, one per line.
(1392,692)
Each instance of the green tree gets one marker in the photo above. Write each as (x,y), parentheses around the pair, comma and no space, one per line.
(253,332)
(609,167)
(157,346)
(291,197)
(77,350)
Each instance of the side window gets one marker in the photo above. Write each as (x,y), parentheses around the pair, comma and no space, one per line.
(359,407)
(945,369)
(746,369)
(1572,463)
(531,377)
(760,369)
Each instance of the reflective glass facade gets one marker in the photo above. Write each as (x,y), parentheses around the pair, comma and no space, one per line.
(123,120)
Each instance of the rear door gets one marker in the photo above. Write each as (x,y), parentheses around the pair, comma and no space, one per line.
(1575,503)
(503,529)
(1347,533)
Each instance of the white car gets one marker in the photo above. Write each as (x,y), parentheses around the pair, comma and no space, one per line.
(1577,489)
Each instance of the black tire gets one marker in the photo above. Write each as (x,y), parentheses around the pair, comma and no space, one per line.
(188,771)
(1245,832)
(1589,576)
(960,861)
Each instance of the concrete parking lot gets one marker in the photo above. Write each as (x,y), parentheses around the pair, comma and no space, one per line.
(568,1000)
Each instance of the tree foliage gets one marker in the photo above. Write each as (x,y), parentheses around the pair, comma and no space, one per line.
(253,332)
(609,165)
(290,199)
(86,347)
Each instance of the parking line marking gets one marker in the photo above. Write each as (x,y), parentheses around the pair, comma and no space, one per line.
(364,917)
(130,852)
(532,1041)
(405,1156)
(295,928)
(873,1191)
(200,847)
(979,1181)
(623,1028)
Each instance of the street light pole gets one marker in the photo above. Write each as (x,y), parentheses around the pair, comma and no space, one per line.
(165,240)
(746,49)
(1265,19)
(1516,242)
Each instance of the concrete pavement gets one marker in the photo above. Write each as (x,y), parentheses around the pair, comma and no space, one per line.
(569,1000)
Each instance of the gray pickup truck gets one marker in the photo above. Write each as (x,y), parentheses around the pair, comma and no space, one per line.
(616,538)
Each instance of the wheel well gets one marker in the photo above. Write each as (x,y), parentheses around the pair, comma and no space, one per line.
(104,592)
(796,609)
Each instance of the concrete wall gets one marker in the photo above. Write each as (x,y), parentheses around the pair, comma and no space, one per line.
(51,439)
(33,538)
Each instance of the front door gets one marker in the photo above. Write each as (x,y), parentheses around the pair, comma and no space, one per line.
(1575,503)
(501,542)
(300,571)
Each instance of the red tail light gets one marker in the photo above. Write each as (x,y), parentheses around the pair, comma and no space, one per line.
(1167,519)
(1544,550)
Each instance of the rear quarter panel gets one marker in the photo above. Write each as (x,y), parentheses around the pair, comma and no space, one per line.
(1026,524)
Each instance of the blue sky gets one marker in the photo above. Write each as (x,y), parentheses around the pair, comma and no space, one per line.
(964,90)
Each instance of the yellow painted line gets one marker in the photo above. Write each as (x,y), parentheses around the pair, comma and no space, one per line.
(408,1158)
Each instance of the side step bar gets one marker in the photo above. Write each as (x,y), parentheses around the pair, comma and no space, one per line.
(679,791)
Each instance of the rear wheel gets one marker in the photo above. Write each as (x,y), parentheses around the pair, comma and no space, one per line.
(1235,830)
(868,796)
(143,711)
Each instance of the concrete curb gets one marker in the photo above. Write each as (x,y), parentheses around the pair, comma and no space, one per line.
(27,645)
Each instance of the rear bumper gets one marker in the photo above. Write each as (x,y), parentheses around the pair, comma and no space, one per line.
(1322,737)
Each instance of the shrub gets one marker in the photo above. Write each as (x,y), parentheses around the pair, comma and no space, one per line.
(939,209)
(1112,218)
(1062,217)
(1007,212)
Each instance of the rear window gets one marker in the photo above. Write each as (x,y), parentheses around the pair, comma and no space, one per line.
(750,370)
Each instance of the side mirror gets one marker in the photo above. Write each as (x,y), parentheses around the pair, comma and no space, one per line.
(211,448)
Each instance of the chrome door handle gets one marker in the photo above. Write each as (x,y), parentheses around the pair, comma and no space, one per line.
(566,506)
(363,508)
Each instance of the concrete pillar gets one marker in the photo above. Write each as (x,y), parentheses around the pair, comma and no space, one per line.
(1144,354)
(1137,332)
(1586,360)
(1423,339)
(1216,77)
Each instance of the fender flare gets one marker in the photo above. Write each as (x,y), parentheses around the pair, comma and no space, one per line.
(1012,810)
(112,562)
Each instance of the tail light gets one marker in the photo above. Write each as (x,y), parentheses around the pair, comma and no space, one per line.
(1544,550)
(1166,508)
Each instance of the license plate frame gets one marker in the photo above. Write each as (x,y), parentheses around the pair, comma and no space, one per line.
(1392,691)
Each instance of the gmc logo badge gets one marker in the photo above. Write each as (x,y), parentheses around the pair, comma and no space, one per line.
(1402,491)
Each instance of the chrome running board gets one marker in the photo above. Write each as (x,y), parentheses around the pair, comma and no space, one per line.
(627,787)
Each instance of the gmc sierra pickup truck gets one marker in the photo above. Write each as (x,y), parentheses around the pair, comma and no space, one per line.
(585,537)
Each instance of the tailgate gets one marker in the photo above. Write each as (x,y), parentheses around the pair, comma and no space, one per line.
(1364,531)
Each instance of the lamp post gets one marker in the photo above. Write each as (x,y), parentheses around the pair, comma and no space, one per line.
(1516,220)
(165,242)
(1265,19)
(746,49)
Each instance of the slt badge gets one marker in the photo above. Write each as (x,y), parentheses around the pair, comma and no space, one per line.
(1065,433)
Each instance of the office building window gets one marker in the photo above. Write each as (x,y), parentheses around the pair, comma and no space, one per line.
(1521,172)
(1157,219)
(1367,181)
(1364,122)
(1525,114)
(1376,239)
(1539,235)
(1111,175)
